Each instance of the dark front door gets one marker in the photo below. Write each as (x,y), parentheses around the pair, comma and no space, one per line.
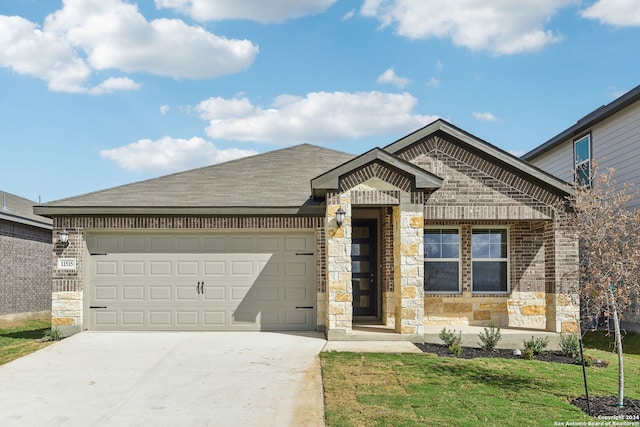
(363,267)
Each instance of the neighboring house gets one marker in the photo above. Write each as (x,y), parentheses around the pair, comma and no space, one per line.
(440,228)
(608,136)
(25,260)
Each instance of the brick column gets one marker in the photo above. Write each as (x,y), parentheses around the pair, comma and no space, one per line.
(67,295)
(408,231)
(561,279)
(339,307)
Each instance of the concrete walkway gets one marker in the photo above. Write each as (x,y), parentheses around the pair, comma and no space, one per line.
(167,379)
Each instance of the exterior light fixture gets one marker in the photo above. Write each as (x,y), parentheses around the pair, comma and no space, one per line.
(64,236)
(340,216)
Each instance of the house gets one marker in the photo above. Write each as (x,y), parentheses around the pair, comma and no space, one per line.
(437,228)
(608,136)
(25,260)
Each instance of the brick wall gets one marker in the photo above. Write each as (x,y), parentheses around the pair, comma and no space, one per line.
(25,273)
(475,188)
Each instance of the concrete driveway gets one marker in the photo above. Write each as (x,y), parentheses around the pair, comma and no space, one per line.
(167,379)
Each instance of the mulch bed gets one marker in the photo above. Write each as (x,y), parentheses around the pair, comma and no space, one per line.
(601,406)
(472,353)
(606,408)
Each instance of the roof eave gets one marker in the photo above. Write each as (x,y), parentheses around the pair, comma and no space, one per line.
(586,122)
(26,221)
(58,211)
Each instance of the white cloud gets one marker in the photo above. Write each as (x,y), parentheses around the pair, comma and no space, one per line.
(485,117)
(390,77)
(439,65)
(347,16)
(502,28)
(164,109)
(619,13)
(261,11)
(113,84)
(517,153)
(171,154)
(433,82)
(318,117)
(89,35)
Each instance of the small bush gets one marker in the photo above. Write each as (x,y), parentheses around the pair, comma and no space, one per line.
(527,353)
(570,345)
(490,338)
(456,349)
(594,361)
(449,337)
(537,345)
(52,334)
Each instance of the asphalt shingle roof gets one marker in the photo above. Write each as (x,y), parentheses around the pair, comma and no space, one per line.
(277,179)
(18,209)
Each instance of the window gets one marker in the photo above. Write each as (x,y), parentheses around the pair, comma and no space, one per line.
(582,160)
(489,260)
(441,260)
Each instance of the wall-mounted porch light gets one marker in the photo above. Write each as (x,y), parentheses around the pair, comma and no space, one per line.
(64,236)
(340,216)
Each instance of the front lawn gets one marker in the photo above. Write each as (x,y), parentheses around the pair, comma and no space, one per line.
(21,339)
(374,389)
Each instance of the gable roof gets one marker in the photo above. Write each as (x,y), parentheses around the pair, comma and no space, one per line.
(18,209)
(276,182)
(582,125)
(330,181)
(485,150)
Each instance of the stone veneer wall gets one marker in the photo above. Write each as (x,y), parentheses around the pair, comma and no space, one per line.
(67,288)
(408,250)
(339,296)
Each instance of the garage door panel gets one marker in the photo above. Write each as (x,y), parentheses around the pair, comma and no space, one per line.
(106,268)
(132,293)
(160,318)
(211,282)
(160,293)
(160,268)
(187,268)
(215,293)
(133,317)
(215,268)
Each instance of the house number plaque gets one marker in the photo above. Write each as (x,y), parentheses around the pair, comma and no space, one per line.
(67,263)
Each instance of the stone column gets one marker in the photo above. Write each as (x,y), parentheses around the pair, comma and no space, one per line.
(408,231)
(339,306)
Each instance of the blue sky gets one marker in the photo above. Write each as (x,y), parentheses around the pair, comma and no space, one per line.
(99,93)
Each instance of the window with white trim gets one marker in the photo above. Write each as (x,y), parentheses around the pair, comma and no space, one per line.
(442,260)
(582,160)
(489,260)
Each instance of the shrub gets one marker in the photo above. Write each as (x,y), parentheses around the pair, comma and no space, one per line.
(490,338)
(537,345)
(52,334)
(456,349)
(570,345)
(449,337)
(527,354)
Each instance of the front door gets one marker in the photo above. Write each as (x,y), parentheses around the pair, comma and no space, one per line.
(364,267)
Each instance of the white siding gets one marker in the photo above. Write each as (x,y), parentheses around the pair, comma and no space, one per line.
(615,143)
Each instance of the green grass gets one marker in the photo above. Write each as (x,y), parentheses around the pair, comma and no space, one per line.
(22,338)
(375,389)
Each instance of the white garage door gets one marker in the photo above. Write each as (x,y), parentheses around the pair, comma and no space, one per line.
(238,281)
